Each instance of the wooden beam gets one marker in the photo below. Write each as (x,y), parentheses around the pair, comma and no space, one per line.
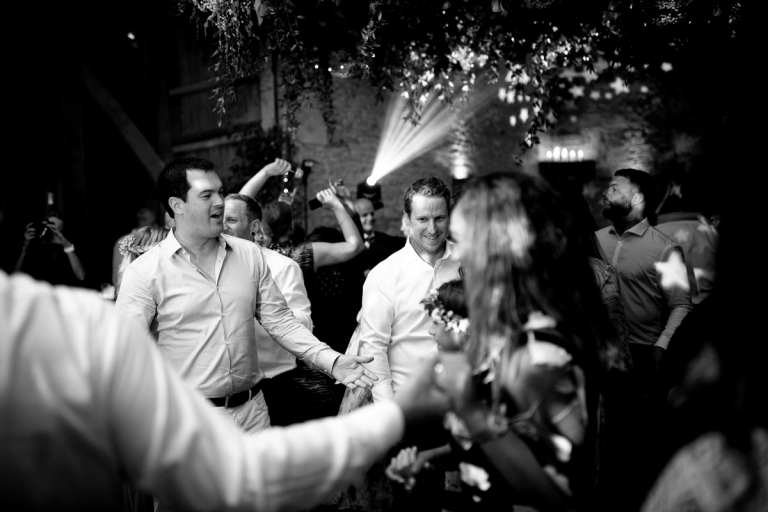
(143,150)
(206,85)
(213,142)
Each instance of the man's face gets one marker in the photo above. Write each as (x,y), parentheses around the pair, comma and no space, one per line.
(203,211)
(428,224)
(236,221)
(617,199)
(364,209)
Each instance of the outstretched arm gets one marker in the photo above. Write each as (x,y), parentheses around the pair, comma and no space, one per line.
(255,184)
(283,327)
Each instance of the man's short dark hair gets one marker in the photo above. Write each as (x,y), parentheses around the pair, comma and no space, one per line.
(427,187)
(645,184)
(173,181)
(251,205)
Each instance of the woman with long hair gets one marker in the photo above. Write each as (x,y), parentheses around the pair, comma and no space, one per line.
(525,388)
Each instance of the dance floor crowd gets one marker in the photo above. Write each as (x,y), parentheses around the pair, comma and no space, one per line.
(503,354)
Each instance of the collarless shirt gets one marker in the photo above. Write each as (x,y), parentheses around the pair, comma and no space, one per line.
(204,325)
(394,327)
(653,311)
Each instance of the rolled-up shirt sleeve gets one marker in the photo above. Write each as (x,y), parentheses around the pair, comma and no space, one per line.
(135,300)
(283,327)
(375,333)
(677,297)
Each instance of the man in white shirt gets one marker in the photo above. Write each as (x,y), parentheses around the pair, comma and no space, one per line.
(394,328)
(242,218)
(86,400)
(198,291)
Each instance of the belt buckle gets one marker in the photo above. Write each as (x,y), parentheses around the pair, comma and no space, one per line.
(226,400)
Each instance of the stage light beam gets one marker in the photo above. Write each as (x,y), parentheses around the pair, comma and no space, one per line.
(401,141)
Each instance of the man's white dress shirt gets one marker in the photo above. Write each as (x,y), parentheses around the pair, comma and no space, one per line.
(86,399)
(204,325)
(394,327)
(274,359)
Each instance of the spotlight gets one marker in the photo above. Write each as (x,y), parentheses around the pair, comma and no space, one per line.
(370,190)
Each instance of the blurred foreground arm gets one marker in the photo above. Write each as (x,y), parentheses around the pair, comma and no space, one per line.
(100,403)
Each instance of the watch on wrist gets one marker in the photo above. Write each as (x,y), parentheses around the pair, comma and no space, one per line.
(69,249)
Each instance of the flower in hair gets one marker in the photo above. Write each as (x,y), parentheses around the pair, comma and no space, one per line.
(450,320)
(125,243)
(128,246)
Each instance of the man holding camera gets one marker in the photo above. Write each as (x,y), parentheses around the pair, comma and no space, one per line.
(47,255)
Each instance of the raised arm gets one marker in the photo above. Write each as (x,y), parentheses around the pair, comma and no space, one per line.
(69,249)
(331,254)
(29,234)
(255,184)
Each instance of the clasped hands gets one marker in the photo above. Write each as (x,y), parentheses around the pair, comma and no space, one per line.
(444,381)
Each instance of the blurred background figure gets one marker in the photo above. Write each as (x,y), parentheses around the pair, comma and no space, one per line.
(144,217)
(378,246)
(134,245)
(694,228)
(717,438)
(337,294)
(47,255)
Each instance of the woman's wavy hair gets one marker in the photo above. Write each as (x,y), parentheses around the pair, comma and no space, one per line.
(521,262)
(134,245)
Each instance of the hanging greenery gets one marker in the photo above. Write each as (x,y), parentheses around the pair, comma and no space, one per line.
(439,47)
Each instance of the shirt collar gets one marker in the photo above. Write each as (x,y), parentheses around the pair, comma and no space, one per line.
(171,245)
(638,229)
(414,254)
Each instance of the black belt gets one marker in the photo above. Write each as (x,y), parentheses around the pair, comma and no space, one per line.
(236,399)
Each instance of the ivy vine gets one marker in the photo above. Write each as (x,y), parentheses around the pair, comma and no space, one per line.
(441,48)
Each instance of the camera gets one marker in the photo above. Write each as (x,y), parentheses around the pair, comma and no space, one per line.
(43,231)
(315,203)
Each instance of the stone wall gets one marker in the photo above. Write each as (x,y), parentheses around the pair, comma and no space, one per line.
(605,127)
